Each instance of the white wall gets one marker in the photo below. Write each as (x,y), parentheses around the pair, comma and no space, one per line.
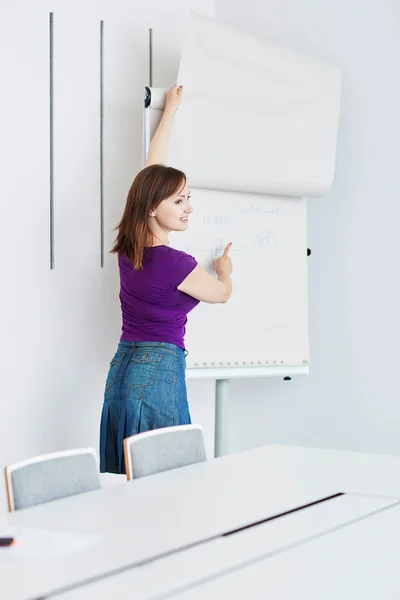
(59,328)
(351,399)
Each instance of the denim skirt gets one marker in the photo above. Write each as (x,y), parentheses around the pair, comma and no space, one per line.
(145,389)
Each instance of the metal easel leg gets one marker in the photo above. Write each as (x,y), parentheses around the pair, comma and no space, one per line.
(221,417)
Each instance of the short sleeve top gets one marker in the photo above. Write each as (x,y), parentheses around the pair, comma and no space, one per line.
(153,309)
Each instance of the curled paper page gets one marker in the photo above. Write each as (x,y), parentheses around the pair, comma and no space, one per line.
(255,117)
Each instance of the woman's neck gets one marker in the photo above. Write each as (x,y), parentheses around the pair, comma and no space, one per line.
(161,240)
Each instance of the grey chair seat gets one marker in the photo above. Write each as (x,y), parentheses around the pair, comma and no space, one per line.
(51,476)
(163,449)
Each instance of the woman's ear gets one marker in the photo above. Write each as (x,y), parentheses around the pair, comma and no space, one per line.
(152,213)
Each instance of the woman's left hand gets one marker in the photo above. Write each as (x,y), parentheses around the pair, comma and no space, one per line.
(173,99)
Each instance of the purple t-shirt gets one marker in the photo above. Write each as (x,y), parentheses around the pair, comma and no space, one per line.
(153,309)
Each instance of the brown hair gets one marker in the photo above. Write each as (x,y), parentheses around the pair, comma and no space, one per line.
(150,187)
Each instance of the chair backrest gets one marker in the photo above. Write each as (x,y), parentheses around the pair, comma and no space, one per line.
(163,449)
(51,476)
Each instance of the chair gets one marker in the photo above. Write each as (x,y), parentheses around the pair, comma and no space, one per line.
(163,449)
(51,476)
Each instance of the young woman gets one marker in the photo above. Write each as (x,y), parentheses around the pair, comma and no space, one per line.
(145,387)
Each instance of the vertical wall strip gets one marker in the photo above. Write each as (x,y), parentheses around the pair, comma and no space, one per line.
(150,57)
(101,144)
(51,149)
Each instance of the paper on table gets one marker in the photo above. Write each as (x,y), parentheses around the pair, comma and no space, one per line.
(38,543)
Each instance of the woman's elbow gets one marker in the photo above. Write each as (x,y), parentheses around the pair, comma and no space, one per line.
(225,296)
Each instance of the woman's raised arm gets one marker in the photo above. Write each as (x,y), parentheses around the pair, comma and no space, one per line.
(158,149)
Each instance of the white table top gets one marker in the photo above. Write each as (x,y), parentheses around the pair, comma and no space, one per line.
(360,561)
(154,515)
(350,471)
(183,570)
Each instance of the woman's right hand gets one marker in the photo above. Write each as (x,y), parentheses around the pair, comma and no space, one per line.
(223,265)
(173,99)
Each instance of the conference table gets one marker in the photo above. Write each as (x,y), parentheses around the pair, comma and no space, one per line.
(175,532)
(355,562)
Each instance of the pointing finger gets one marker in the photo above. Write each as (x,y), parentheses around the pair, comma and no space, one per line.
(228,247)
